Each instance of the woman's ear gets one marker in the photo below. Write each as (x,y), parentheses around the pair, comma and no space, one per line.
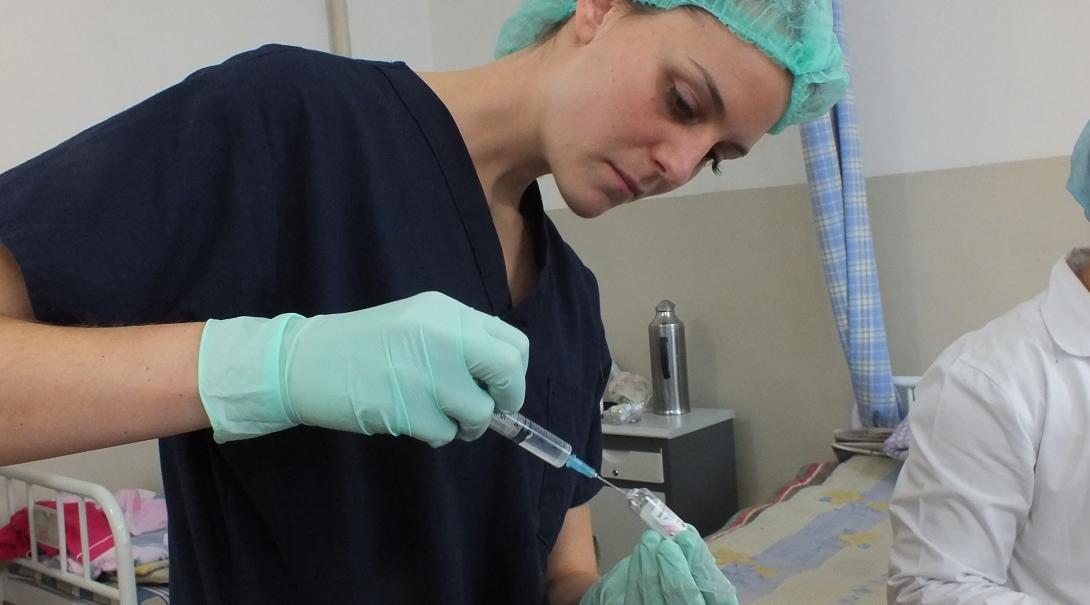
(589,17)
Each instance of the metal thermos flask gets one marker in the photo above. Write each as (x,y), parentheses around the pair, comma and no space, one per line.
(669,378)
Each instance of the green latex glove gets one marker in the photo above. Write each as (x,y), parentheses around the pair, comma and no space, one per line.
(408,367)
(664,572)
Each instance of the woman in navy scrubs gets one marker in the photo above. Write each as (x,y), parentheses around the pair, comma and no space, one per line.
(297,269)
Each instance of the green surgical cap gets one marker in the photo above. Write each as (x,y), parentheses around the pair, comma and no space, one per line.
(796,34)
(1079,181)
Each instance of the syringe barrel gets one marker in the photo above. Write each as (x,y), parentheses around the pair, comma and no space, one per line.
(531,437)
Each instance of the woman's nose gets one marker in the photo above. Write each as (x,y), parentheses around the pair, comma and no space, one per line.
(679,160)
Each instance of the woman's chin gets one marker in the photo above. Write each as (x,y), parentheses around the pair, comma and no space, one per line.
(588,205)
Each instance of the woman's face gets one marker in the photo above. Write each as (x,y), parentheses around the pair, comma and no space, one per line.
(645,101)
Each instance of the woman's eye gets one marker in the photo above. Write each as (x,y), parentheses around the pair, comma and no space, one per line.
(685,112)
(680,106)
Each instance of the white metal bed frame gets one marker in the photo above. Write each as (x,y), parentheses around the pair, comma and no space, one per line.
(58,487)
(906,389)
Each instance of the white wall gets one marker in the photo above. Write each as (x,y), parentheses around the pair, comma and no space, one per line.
(392,30)
(944,84)
(464,33)
(68,65)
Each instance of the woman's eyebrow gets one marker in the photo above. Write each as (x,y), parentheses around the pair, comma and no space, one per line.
(717,101)
(713,88)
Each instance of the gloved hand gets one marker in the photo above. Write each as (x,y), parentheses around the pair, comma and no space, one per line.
(408,367)
(664,572)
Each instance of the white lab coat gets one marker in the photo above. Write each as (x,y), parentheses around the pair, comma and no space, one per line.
(993,504)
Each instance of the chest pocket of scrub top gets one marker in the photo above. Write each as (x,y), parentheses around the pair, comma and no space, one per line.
(569,413)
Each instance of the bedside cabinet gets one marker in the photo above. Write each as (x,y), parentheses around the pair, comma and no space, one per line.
(686,460)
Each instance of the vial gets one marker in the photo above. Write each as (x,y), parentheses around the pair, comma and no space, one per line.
(655,513)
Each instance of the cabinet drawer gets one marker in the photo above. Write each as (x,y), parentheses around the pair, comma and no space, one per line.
(632,465)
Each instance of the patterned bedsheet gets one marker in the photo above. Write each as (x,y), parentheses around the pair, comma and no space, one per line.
(145,594)
(826,545)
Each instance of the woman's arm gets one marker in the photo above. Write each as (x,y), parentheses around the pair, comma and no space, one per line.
(14,301)
(572,568)
(964,492)
(67,390)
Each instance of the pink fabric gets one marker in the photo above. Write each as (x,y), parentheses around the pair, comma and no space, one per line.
(15,536)
(14,539)
(144,511)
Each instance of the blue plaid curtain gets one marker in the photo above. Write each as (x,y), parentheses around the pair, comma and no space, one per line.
(834,166)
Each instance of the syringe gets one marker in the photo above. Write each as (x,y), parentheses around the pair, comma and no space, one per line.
(557,452)
(539,442)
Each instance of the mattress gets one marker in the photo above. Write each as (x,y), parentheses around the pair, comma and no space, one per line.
(25,581)
(829,543)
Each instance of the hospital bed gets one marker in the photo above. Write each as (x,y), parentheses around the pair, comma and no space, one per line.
(38,579)
(824,538)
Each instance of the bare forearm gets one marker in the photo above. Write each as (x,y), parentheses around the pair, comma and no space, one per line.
(66,390)
(569,588)
(572,568)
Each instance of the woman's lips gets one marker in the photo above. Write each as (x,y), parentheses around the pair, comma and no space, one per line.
(628,184)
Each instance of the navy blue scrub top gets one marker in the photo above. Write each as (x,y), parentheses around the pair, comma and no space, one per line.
(293,180)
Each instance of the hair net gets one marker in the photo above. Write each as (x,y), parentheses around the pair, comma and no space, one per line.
(1079,182)
(796,34)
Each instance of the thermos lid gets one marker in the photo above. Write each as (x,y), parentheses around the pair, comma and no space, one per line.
(665,306)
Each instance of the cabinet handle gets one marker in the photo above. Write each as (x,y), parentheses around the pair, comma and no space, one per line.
(616,473)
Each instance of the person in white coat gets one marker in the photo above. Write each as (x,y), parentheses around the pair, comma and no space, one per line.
(993,504)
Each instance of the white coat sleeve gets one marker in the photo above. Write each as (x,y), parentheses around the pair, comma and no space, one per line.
(964,492)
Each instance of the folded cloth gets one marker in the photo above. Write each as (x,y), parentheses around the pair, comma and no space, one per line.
(156,572)
(145,514)
(15,536)
(14,539)
(148,547)
(144,510)
(896,445)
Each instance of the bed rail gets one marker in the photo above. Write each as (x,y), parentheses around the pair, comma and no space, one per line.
(33,482)
(906,392)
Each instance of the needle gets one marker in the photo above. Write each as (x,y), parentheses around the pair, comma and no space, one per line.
(603,479)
